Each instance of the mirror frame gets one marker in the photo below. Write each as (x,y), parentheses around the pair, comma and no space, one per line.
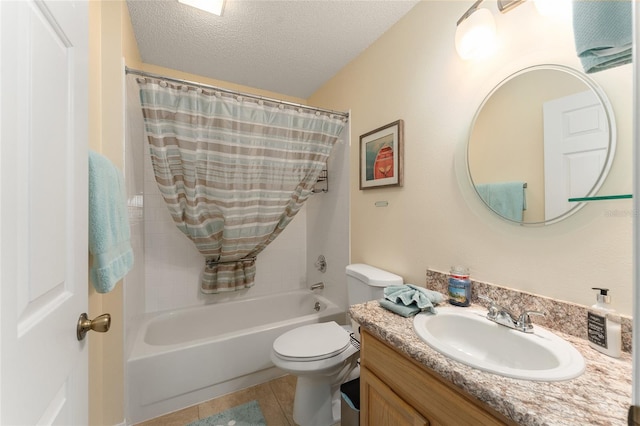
(608,110)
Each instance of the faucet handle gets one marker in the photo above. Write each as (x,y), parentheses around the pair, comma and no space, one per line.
(485,298)
(493,306)
(524,322)
(489,300)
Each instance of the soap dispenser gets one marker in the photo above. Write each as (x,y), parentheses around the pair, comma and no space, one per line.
(603,326)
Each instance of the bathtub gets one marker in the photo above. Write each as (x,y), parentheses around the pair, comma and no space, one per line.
(183,357)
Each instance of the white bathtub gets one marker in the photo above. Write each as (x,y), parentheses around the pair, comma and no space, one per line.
(187,356)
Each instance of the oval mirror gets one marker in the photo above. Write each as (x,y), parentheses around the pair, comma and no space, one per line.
(544,135)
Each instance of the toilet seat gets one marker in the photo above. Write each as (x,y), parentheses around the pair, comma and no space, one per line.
(312,342)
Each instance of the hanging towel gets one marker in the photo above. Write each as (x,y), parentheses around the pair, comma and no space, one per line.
(411,296)
(505,198)
(109,234)
(603,33)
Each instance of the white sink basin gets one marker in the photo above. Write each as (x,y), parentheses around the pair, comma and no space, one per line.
(467,336)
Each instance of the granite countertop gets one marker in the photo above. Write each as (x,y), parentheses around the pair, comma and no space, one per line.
(600,396)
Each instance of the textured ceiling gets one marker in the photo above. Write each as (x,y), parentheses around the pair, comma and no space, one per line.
(288,47)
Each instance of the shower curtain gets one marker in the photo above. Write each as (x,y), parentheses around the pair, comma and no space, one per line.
(232,171)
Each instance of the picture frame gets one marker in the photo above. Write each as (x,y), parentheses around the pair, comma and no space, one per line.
(381,156)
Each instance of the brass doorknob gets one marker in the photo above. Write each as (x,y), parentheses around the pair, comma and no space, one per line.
(100,324)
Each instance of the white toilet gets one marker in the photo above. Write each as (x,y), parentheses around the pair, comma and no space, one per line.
(322,356)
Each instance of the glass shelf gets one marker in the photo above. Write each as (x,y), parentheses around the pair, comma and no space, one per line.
(601,197)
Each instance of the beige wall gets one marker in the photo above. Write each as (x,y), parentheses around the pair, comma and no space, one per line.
(168,72)
(436,220)
(106,388)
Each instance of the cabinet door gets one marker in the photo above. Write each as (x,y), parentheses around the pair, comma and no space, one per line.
(423,391)
(380,406)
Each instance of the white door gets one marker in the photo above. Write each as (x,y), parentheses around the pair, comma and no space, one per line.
(576,140)
(43,211)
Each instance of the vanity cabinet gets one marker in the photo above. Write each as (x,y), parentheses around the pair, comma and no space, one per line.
(395,390)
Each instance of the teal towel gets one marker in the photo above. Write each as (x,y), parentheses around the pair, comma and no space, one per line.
(603,33)
(505,198)
(398,308)
(409,294)
(109,234)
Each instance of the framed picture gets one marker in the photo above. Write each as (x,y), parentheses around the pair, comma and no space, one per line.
(381,152)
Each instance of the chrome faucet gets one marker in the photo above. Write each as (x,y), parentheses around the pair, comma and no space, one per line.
(317,286)
(503,316)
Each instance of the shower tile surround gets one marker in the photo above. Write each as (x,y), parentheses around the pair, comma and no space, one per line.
(169,266)
(167,269)
(566,317)
(173,264)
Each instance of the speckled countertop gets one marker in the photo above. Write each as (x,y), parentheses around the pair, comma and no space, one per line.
(600,396)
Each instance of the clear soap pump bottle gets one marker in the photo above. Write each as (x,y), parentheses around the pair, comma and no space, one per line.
(603,326)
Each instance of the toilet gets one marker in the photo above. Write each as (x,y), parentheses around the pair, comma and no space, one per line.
(322,356)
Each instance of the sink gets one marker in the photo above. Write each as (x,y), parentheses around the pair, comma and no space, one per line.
(466,335)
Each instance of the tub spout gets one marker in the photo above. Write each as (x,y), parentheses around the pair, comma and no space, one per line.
(317,286)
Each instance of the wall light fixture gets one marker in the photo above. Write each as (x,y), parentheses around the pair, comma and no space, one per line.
(476,29)
(554,8)
(506,5)
(475,33)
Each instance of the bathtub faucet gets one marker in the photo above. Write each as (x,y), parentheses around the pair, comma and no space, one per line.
(317,286)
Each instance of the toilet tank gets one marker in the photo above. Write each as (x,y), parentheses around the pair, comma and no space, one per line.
(366,282)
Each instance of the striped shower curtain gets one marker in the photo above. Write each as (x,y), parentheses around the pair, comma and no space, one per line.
(232,171)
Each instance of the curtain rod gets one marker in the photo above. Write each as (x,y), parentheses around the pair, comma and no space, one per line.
(232,92)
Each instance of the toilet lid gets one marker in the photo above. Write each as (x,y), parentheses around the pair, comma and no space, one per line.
(312,342)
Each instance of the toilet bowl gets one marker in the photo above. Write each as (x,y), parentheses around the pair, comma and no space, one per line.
(322,355)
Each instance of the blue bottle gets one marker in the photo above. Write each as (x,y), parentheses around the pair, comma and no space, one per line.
(459,286)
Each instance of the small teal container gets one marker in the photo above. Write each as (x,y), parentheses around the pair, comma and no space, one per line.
(459,286)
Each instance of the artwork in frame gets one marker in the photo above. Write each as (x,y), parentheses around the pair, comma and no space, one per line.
(381,156)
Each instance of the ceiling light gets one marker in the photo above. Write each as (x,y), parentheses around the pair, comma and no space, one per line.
(475,33)
(211,6)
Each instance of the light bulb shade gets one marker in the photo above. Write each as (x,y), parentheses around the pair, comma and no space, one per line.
(476,35)
(559,8)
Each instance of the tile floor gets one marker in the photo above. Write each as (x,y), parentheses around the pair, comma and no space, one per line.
(275,399)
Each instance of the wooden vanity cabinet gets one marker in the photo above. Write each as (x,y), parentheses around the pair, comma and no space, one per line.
(395,390)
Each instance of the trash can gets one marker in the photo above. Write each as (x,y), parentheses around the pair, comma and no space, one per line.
(350,403)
